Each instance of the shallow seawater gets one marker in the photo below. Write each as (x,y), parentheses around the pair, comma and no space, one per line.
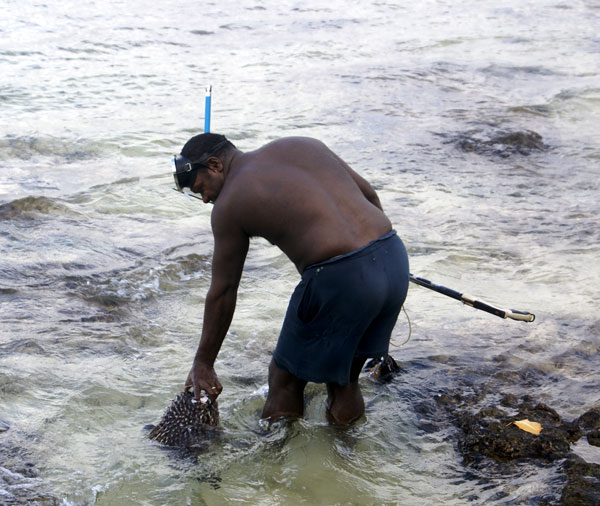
(104,269)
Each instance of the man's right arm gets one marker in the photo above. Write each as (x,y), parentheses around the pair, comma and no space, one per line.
(231,247)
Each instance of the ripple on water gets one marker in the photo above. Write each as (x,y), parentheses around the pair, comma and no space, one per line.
(142,281)
(109,324)
(23,345)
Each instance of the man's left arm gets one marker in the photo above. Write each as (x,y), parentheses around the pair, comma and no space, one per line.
(366,189)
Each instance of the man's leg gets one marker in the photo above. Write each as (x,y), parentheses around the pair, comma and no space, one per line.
(345,403)
(286,395)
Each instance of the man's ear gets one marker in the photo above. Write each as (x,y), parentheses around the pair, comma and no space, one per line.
(214,164)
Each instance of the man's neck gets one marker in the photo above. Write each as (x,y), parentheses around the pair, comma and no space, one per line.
(233,161)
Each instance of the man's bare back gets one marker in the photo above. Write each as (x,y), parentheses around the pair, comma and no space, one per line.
(296,193)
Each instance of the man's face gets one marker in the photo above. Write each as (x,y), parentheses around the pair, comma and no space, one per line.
(208,184)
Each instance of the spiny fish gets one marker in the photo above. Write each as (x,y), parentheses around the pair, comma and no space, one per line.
(186,422)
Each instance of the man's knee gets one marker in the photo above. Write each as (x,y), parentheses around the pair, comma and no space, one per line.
(281,379)
(286,394)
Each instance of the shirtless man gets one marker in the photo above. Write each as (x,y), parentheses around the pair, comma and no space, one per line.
(328,220)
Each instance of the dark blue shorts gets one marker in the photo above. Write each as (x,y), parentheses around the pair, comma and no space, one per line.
(343,308)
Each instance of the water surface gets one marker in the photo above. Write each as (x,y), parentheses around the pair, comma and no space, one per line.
(104,269)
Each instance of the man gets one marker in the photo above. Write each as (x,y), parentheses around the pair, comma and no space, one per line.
(328,220)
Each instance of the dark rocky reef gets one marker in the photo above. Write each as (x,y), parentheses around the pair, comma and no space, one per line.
(583,483)
(501,143)
(489,434)
(19,476)
(187,423)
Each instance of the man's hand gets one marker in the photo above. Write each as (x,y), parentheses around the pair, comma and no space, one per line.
(203,377)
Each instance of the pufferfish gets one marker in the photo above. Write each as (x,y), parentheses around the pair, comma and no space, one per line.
(187,422)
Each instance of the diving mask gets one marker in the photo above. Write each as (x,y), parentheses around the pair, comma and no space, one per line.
(185,169)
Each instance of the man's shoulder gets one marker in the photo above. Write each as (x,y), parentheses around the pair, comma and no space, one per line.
(283,143)
(225,216)
(236,199)
(295,140)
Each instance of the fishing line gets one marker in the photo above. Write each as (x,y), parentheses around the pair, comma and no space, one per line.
(409,329)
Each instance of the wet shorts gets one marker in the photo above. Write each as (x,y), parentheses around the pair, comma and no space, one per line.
(343,308)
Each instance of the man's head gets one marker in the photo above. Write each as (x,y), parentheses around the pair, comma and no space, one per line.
(201,155)
(205,145)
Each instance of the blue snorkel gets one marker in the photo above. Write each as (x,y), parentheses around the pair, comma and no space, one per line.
(207,99)
(183,166)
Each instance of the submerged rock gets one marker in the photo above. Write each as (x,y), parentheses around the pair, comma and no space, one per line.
(490,434)
(583,483)
(499,143)
(29,208)
(19,477)
(594,438)
(187,423)
(589,420)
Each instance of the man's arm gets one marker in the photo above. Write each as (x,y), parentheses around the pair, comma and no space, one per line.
(231,247)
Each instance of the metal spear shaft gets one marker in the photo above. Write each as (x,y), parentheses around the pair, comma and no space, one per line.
(469,300)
